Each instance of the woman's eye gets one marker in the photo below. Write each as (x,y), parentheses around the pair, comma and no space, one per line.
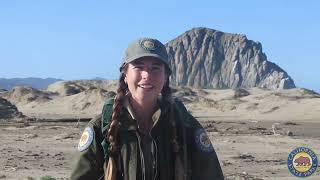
(156,68)
(138,67)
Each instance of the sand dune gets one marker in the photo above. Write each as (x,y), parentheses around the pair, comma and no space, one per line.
(85,100)
(260,104)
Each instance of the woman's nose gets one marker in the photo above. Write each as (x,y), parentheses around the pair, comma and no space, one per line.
(145,74)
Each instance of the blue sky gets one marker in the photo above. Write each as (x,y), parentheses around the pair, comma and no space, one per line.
(77,39)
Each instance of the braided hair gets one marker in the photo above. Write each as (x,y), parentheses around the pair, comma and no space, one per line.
(167,101)
(112,133)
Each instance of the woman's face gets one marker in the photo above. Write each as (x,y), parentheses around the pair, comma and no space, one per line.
(145,78)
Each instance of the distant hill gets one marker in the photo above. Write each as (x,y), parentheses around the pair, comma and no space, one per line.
(98,78)
(37,83)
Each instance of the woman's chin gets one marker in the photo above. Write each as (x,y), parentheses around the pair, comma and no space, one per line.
(147,98)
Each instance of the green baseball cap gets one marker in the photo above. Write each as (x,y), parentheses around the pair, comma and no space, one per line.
(143,47)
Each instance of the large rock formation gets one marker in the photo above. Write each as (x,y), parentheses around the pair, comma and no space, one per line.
(206,58)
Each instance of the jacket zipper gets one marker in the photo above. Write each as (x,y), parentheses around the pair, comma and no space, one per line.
(154,156)
(141,157)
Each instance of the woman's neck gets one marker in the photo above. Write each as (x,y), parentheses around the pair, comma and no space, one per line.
(143,112)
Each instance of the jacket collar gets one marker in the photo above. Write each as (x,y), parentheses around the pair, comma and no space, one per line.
(155,117)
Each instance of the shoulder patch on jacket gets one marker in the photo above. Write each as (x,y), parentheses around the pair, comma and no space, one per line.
(202,141)
(86,139)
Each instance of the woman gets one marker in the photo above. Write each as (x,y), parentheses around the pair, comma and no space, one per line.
(145,134)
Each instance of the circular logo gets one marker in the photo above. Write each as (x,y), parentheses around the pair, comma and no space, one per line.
(148,44)
(86,139)
(203,141)
(302,162)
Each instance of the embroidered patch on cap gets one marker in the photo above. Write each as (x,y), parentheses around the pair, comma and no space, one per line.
(203,141)
(148,44)
(86,139)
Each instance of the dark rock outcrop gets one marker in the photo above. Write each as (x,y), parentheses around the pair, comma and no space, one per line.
(238,93)
(8,110)
(206,58)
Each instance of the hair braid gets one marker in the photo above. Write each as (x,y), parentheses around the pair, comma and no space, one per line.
(166,92)
(115,121)
(167,99)
(180,154)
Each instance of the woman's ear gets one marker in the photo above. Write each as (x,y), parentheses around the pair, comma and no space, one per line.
(125,79)
(166,78)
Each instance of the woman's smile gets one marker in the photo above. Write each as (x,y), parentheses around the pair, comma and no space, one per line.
(146,86)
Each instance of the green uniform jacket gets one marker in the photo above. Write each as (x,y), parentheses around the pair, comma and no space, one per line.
(198,154)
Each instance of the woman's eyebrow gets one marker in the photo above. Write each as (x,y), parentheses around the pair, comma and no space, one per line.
(157,63)
(137,63)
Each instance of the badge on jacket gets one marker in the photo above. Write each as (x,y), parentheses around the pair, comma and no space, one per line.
(86,139)
(202,141)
